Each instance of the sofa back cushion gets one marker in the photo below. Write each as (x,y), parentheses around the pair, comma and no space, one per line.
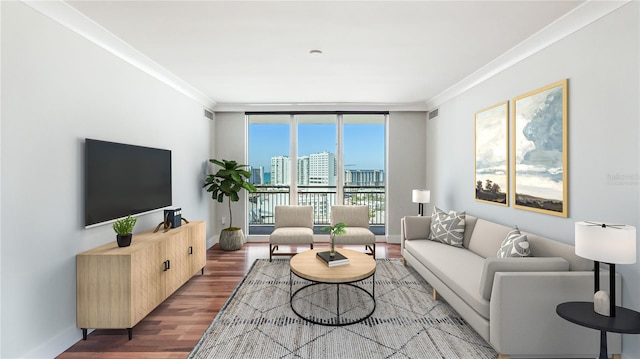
(544,247)
(469,225)
(487,237)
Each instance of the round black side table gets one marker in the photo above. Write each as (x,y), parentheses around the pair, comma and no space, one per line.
(626,320)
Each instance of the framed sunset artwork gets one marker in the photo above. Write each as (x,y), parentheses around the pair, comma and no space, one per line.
(491,154)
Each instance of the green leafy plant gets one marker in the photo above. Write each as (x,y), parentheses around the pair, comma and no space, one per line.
(337,229)
(125,225)
(228,182)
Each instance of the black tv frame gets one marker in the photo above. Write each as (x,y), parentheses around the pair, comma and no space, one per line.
(123,179)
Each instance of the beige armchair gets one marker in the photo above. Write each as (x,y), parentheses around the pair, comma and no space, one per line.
(357,220)
(293,225)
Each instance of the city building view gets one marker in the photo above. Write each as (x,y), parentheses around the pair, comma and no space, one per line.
(317,176)
(339,160)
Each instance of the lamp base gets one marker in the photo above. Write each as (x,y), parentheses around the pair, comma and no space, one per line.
(602,303)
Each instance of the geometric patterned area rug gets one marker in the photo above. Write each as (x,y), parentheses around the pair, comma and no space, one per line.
(257,320)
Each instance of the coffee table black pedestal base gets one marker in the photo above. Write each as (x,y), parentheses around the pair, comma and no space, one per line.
(338,321)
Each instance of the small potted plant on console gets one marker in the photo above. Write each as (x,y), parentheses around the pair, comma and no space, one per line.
(123,228)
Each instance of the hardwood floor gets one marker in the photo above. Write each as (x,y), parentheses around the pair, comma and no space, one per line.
(173,329)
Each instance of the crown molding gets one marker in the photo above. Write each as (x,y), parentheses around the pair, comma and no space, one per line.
(568,24)
(319,106)
(77,22)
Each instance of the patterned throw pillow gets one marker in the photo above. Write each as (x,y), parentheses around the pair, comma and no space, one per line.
(514,245)
(447,228)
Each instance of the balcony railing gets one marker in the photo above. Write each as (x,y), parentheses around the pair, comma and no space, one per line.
(262,204)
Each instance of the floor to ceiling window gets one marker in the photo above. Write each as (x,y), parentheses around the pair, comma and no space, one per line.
(270,164)
(317,159)
(317,167)
(364,175)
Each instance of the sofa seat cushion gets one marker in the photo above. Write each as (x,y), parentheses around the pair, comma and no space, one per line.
(459,268)
(291,235)
(356,235)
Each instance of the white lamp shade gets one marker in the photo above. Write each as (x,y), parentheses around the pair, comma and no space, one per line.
(614,244)
(421,196)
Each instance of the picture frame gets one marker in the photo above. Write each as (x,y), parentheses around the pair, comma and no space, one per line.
(492,154)
(539,150)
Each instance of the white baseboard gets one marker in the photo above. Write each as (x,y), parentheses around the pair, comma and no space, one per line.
(56,345)
(213,240)
(394,239)
(257,238)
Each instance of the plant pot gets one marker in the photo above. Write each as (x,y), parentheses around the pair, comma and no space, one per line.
(231,239)
(124,240)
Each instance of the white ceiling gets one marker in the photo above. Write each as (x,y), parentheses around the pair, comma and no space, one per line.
(374,52)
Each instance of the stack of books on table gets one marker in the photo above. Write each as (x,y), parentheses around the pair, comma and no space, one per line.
(337,260)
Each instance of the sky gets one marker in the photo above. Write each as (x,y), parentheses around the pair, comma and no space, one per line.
(363,143)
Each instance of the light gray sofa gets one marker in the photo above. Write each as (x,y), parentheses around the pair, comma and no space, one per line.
(510,302)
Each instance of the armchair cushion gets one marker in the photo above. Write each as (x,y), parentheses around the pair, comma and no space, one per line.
(291,235)
(356,235)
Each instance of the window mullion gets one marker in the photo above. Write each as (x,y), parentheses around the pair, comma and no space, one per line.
(340,161)
(293,165)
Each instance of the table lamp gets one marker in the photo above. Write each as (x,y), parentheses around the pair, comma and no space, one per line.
(421,196)
(608,243)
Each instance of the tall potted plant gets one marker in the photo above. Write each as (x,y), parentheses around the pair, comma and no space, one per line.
(228,182)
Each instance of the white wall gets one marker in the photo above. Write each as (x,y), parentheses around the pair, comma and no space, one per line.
(0,185)
(601,63)
(406,169)
(229,143)
(57,89)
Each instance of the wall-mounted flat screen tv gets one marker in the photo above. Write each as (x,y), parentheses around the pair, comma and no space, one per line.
(122,179)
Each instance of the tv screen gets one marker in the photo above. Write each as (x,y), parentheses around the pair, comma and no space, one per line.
(123,179)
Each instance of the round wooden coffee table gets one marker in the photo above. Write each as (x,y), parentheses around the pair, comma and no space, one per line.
(305,265)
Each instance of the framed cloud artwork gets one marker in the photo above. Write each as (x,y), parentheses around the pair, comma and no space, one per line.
(539,150)
(491,154)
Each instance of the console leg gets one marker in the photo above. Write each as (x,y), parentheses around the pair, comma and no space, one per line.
(84,333)
(130,332)
(202,271)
